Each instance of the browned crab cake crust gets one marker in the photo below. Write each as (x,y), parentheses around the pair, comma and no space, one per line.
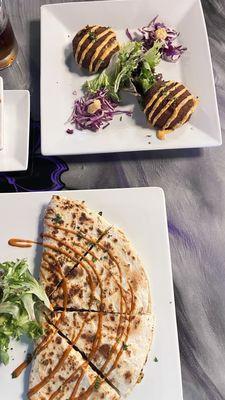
(94,46)
(168,105)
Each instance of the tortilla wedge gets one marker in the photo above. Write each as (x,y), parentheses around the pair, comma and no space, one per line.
(110,278)
(70,231)
(70,378)
(124,342)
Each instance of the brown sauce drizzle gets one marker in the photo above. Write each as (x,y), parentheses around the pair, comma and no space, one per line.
(88,392)
(89,261)
(28,243)
(36,388)
(47,340)
(96,343)
(42,383)
(22,242)
(95,349)
(84,365)
(78,233)
(49,236)
(17,372)
(91,354)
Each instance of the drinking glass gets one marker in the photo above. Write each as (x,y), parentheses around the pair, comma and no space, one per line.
(8,43)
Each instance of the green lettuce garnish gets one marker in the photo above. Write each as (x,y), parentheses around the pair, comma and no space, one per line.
(128,67)
(119,72)
(145,78)
(20,299)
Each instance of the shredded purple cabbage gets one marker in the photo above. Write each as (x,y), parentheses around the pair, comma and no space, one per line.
(158,31)
(83,119)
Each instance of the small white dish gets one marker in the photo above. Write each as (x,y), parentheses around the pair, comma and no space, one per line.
(141,212)
(1,114)
(60,77)
(14,155)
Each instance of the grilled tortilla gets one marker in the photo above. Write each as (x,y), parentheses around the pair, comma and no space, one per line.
(59,372)
(90,266)
(123,346)
(111,278)
(70,231)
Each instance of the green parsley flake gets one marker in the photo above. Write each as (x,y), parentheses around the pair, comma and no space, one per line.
(97,383)
(125,346)
(58,219)
(92,35)
(155,359)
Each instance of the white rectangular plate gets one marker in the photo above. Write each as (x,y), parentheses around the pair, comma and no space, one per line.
(14,155)
(141,212)
(60,78)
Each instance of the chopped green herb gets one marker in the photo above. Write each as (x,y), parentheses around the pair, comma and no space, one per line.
(121,118)
(97,383)
(58,219)
(94,259)
(100,213)
(125,346)
(117,340)
(175,102)
(155,359)
(92,35)
(165,91)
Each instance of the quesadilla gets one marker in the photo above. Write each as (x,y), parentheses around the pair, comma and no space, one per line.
(111,278)
(60,372)
(123,343)
(98,338)
(70,231)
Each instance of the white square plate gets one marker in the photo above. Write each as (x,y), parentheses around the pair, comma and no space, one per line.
(141,212)
(60,77)
(14,155)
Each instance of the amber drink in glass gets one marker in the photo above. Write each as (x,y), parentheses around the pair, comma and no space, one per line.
(8,43)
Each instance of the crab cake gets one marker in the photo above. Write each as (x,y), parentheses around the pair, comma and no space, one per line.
(168,105)
(93,47)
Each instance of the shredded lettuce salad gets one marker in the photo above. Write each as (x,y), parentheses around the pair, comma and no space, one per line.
(119,72)
(20,299)
(128,66)
(146,77)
